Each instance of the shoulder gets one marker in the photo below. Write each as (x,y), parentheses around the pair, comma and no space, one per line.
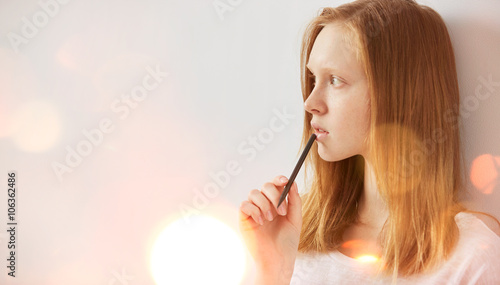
(489,221)
(477,250)
(479,236)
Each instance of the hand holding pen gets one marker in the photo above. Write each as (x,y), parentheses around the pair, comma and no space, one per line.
(272,233)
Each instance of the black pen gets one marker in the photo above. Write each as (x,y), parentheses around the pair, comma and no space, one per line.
(297,168)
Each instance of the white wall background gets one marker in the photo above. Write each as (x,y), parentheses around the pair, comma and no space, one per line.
(228,75)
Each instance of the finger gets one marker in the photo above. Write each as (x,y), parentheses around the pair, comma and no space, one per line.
(295,206)
(250,212)
(281,180)
(273,193)
(261,201)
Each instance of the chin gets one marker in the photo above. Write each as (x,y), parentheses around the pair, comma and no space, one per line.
(330,156)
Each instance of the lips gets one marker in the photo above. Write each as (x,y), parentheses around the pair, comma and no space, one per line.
(320,132)
(318,129)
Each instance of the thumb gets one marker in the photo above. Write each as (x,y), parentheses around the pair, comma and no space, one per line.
(294,211)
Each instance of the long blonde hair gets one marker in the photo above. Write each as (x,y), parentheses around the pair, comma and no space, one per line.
(414,136)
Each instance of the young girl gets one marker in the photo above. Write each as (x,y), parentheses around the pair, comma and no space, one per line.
(380,91)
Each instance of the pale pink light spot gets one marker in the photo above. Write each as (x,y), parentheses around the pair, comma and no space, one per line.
(484,173)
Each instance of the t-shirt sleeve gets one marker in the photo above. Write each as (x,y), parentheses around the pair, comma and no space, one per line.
(483,257)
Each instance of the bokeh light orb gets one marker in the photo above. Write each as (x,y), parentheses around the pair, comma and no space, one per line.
(198,250)
(484,173)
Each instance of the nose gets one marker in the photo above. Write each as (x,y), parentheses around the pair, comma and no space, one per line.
(315,104)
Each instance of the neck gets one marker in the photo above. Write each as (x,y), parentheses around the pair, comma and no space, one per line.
(372,210)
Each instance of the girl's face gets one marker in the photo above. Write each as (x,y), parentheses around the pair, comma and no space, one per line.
(340,101)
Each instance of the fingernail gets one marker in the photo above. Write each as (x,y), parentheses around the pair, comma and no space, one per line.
(283,179)
(269,216)
(261,221)
(282,210)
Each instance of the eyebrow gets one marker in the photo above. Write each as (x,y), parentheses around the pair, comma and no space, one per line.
(326,68)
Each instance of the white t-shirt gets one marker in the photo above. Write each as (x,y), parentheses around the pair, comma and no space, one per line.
(476,260)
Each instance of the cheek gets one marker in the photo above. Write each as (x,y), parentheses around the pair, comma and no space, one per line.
(354,114)
(352,121)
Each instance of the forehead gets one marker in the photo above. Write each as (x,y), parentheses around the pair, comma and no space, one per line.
(334,49)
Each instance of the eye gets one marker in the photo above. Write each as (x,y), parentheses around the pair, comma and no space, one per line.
(336,81)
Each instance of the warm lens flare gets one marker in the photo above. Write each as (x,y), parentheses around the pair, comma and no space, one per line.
(367,258)
(200,250)
(484,173)
(363,249)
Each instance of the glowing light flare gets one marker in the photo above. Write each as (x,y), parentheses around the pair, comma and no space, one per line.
(35,127)
(367,258)
(484,173)
(202,250)
(365,251)
(353,244)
